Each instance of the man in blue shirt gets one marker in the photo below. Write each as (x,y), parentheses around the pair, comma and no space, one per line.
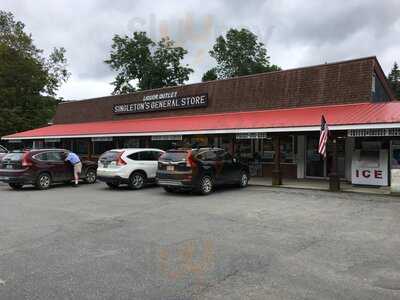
(74,160)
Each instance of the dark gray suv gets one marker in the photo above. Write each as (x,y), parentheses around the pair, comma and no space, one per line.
(200,170)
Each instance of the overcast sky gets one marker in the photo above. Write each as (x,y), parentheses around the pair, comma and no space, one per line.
(296,33)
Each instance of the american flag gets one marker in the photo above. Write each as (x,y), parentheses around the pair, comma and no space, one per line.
(323,137)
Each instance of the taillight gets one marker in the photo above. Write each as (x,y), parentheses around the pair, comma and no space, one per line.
(190,162)
(26,162)
(120,161)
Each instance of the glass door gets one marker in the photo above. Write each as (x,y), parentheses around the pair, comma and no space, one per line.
(315,165)
(340,155)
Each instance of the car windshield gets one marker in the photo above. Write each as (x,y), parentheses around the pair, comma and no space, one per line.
(15,156)
(109,156)
(174,156)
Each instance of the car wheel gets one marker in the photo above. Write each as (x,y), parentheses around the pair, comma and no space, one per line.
(112,185)
(244,179)
(43,181)
(206,185)
(136,180)
(15,186)
(91,176)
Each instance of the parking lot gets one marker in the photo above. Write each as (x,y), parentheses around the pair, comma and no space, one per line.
(256,243)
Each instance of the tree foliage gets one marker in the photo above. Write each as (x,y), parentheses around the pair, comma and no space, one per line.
(28,80)
(150,65)
(210,75)
(239,53)
(394,80)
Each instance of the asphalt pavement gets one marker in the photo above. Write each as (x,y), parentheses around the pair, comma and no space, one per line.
(255,243)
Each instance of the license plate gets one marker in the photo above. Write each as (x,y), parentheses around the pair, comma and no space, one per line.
(170,168)
(9,166)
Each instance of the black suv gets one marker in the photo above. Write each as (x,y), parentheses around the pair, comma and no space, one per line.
(200,170)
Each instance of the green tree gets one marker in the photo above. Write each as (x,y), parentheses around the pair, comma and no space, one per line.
(210,75)
(28,80)
(143,64)
(394,80)
(239,53)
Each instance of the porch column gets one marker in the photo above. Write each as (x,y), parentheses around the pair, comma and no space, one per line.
(116,141)
(334,180)
(90,149)
(276,172)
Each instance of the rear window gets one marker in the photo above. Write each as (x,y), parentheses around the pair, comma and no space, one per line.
(174,156)
(207,155)
(14,156)
(110,156)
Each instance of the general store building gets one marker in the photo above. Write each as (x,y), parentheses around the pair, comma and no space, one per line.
(252,117)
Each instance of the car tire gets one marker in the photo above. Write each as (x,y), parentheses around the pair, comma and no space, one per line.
(244,179)
(136,180)
(15,186)
(206,185)
(90,176)
(43,181)
(112,185)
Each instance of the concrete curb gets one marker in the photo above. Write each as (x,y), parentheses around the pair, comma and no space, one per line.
(395,196)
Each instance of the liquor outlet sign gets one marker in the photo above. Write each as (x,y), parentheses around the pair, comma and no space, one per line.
(161,102)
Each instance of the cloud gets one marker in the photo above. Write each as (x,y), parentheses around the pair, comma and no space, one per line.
(296,33)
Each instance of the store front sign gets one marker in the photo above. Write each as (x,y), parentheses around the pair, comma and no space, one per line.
(373,132)
(55,140)
(251,135)
(161,102)
(166,138)
(102,139)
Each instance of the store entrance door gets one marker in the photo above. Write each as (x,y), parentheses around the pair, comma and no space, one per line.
(316,166)
(340,156)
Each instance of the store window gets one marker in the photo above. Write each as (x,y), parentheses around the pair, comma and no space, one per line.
(165,145)
(52,143)
(38,145)
(288,149)
(199,141)
(226,143)
(267,150)
(132,143)
(101,147)
(244,149)
(287,144)
(81,147)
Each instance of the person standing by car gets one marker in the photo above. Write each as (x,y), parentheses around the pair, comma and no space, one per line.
(75,161)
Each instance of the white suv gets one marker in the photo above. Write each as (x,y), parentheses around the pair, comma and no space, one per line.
(134,167)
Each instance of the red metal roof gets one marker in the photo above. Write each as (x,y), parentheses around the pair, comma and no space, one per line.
(285,119)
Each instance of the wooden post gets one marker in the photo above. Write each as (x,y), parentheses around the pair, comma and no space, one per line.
(276,172)
(90,149)
(334,180)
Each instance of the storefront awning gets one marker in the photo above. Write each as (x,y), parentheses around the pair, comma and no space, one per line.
(338,117)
